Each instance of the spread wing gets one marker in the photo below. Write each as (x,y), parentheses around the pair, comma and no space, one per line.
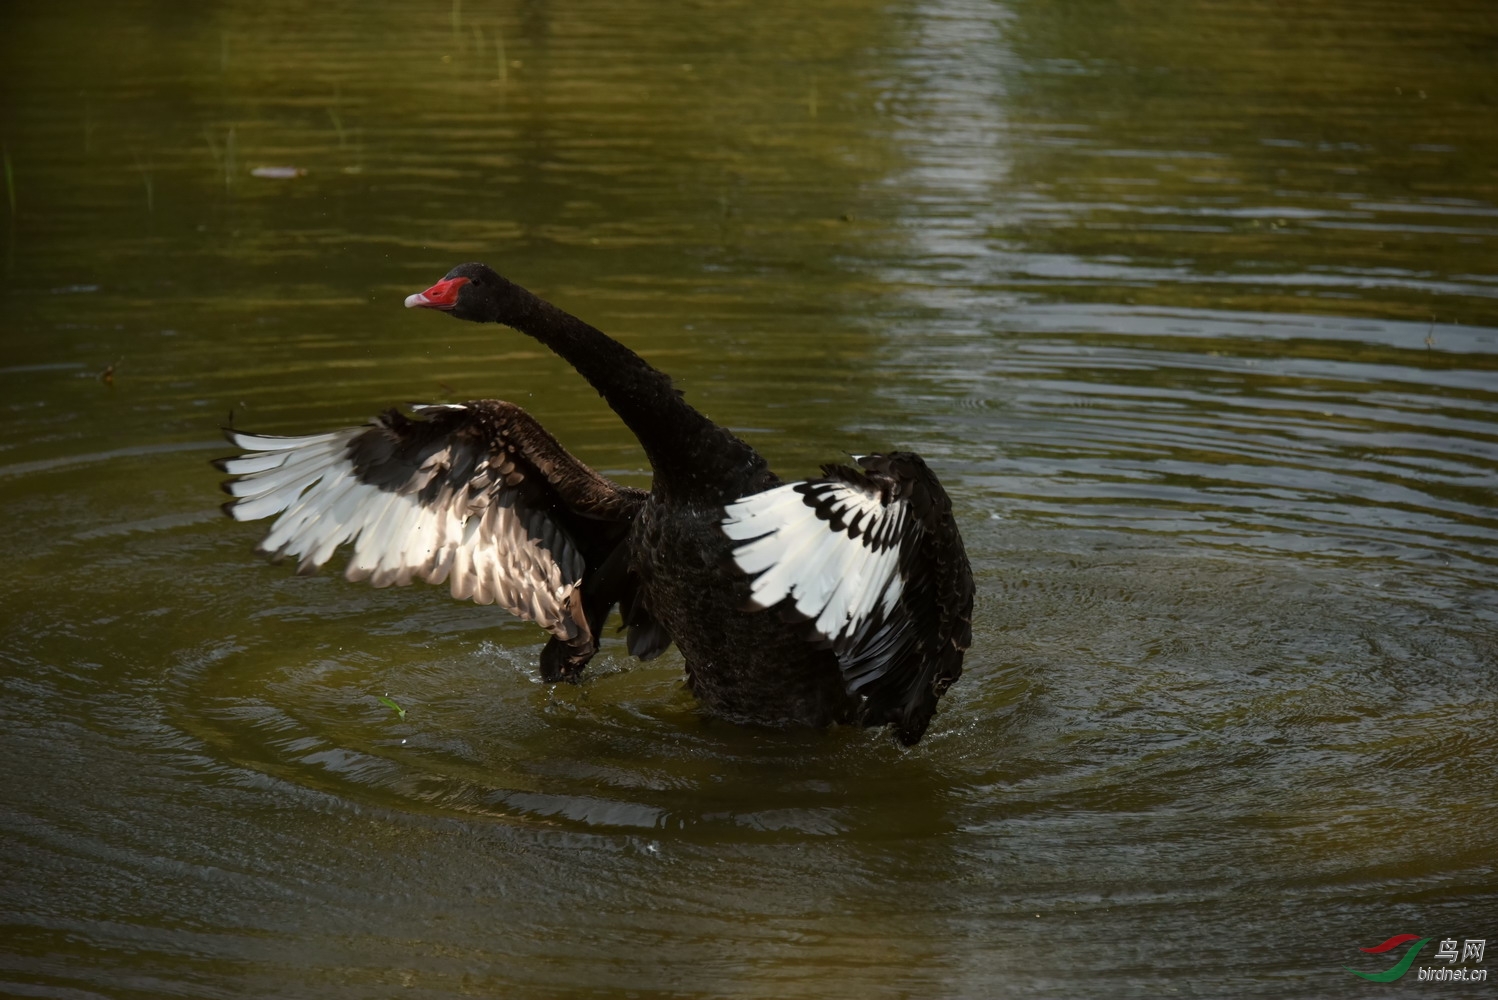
(872,561)
(476,495)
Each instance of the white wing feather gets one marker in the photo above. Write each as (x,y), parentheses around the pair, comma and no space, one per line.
(470,537)
(834,579)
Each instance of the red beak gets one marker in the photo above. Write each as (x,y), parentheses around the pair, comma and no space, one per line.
(443,295)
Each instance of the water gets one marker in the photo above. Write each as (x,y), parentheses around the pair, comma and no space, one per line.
(1192,308)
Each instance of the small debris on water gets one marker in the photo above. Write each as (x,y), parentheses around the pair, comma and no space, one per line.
(279,173)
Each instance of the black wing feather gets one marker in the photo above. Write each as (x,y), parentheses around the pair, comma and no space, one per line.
(477,494)
(893,599)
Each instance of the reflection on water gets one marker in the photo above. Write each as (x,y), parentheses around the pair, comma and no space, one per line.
(1191,305)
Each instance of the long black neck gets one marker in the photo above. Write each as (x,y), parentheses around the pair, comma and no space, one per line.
(692,457)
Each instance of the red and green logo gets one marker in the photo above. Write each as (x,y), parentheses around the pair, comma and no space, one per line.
(1391,974)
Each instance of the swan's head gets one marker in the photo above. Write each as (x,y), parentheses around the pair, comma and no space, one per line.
(468,291)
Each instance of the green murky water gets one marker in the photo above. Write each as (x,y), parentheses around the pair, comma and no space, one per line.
(1193,306)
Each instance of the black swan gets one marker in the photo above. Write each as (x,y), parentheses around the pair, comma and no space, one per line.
(842,599)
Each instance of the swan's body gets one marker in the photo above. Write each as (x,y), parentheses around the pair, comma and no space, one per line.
(842,599)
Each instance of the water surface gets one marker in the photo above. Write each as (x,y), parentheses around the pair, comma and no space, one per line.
(1193,308)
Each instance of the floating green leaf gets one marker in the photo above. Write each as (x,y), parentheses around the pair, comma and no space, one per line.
(390,704)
